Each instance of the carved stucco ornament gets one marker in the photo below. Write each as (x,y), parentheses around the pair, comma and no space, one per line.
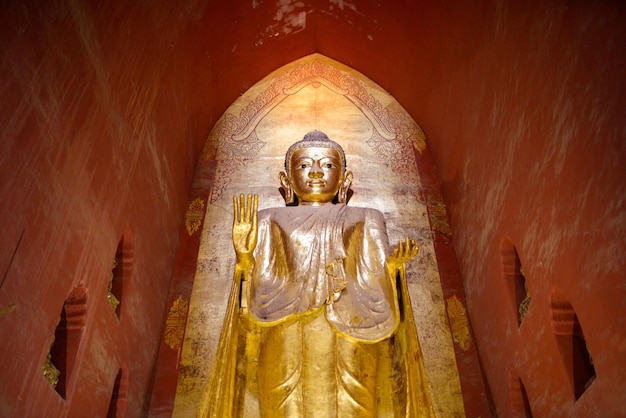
(458,322)
(438,216)
(113,300)
(175,323)
(524,306)
(525,303)
(193,218)
(49,370)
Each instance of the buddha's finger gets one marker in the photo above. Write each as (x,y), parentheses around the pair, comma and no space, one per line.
(255,211)
(242,207)
(248,218)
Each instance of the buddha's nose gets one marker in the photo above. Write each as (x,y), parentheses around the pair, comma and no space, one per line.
(316,171)
(316,174)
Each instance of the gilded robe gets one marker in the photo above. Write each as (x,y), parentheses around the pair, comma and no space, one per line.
(322,331)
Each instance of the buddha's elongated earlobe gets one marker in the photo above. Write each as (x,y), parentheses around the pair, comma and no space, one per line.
(342,195)
(286,184)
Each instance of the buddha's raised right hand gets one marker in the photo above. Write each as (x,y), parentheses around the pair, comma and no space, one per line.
(245,230)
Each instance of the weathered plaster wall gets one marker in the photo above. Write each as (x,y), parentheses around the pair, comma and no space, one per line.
(530,144)
(99,124)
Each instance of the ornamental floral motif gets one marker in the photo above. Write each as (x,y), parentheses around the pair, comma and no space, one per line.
(49,370)
(458,322)
(193,218)
(438,215)
(175,324)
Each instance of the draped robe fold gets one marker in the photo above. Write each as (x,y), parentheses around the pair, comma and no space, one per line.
(330,257)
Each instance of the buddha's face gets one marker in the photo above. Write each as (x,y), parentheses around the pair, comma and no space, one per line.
(316,173)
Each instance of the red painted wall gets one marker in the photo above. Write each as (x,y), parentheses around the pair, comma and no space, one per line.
(105,107)
(530,145)
(102,117)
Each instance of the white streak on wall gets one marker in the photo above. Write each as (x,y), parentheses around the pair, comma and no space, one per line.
(342,4)
(290,18)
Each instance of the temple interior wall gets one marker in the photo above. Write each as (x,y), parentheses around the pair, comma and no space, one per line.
(106,109)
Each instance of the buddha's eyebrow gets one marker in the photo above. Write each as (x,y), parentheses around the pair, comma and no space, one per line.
(313,158)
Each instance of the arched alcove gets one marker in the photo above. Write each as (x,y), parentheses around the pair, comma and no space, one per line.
(515,281)
(119,394)
(575,354)
(121,271)
(67,337)
(247,148)
(518,396)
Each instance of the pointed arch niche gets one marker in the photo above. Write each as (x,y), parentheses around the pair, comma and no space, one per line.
(246,148)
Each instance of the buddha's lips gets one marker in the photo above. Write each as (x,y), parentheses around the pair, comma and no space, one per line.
(316,183)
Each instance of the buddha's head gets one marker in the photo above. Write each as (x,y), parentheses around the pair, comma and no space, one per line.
(315,171)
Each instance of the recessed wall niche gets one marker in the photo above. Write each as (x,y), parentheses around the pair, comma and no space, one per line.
(121,271)
(514,278)
(575,354)
(249,143)
(119,396)
(67,337)
(519,399)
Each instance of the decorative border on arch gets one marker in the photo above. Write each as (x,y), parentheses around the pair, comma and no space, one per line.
(394,139)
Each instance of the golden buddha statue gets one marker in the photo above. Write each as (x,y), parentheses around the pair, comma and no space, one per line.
(319,322)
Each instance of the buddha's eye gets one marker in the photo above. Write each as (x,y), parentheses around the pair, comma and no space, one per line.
(328,165)
(303,166)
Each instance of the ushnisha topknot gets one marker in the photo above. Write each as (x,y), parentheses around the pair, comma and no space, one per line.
(314,139)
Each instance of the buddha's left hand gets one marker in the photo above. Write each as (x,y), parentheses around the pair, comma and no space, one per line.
(402,253)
